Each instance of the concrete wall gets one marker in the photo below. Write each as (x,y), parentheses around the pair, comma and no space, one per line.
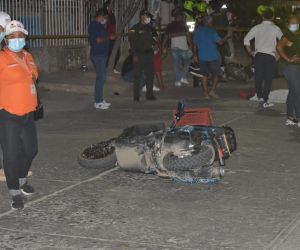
(54,59)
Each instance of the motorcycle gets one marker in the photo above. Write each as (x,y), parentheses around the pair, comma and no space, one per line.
(180,152)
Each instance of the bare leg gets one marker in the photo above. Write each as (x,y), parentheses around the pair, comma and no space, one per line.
(205,88)
(212,93)
(159,80)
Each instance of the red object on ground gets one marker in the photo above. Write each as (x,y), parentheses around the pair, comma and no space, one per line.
(193,117)
(246,93)
(243,94)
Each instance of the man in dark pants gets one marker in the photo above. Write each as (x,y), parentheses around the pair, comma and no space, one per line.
(141,43)
(266,36)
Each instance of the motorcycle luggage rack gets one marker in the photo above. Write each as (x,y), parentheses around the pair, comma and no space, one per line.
(194,117)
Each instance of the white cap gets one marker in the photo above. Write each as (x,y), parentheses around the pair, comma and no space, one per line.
(4,19)
(15,26)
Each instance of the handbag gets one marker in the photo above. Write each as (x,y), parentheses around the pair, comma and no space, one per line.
(39,112)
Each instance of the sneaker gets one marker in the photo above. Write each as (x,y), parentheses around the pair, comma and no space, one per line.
(100,106)
(104,103)
(151,98)
(117,72)
(26,189)
(268,105)
(177,84)
(156,89)
(291,122)
(17,202)
(184,81)
(256,99)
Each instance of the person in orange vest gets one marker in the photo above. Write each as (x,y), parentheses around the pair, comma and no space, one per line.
(4,19)
(18,101)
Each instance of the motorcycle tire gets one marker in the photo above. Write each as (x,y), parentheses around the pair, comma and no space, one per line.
(204,156)
(98,156)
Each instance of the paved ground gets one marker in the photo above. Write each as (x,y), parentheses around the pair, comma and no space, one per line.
(256,206)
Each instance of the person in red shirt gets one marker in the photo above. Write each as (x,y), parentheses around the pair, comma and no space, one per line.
(112,32)
(18,101)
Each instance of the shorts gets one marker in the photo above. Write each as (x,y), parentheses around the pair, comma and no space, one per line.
(210,68)
(157,63)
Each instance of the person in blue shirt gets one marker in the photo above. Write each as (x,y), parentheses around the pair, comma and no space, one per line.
(206,41)
(99,41)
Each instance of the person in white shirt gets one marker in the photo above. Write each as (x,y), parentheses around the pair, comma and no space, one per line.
(177,31)
(266,36)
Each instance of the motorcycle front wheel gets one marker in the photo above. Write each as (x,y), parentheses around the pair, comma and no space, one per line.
(98,156)
(202,157)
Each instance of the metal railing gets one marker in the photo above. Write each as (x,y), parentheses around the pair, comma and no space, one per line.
(67,19)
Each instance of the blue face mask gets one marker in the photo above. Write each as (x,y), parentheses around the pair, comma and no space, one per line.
(16,44)
(293,27)
(2,35)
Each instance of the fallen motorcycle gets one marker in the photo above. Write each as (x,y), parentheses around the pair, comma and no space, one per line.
(185,152)
(230,71)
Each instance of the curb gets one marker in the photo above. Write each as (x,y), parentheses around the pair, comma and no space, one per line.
(112,86)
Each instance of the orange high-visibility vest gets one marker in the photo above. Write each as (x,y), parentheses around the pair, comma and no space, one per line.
(18,94)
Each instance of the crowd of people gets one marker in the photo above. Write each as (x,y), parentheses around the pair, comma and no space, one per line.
(19,74)
(202,48)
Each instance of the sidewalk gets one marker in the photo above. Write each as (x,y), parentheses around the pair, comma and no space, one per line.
(83,83)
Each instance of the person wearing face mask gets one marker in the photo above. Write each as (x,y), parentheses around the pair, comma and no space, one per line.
(100,41)
(141,44)
(4,20)
(266,36)
(289,49)
(18,101)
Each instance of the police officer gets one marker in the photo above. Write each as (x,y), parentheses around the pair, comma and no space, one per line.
(189,7)
(142,43)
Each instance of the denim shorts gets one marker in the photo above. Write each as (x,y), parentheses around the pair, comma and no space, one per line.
(210,68)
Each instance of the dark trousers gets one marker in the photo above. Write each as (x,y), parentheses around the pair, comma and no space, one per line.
(145,64)
(292,75)
(1,158)
(18,138)
(99,61)
(265,68)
